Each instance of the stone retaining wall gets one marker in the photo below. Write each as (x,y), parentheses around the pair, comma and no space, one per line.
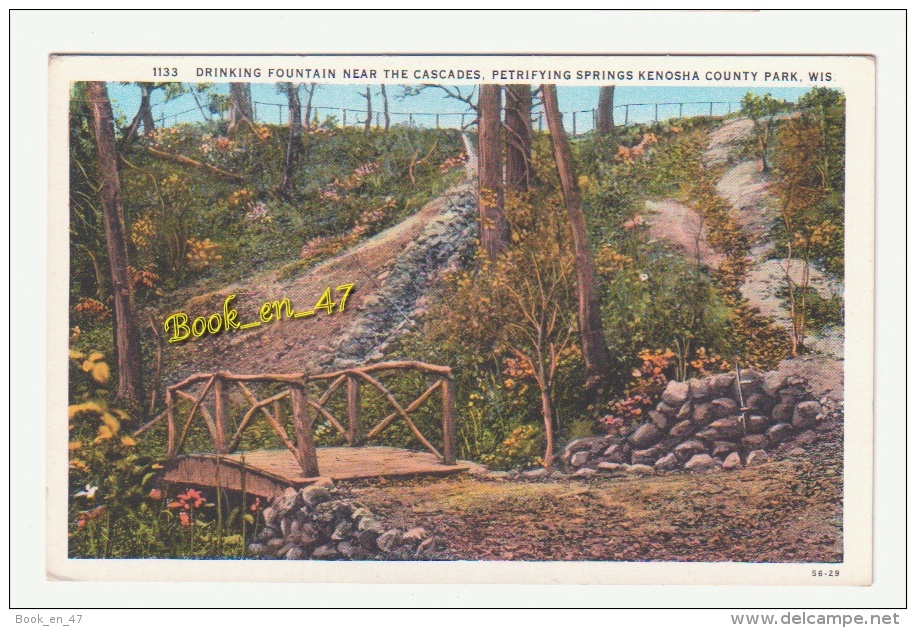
(701,425)
(317,523)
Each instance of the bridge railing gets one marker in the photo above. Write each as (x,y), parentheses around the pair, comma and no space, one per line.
(225,437)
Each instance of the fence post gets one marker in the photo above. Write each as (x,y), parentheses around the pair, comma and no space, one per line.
(448,420)
(626,115)
(220,404)
(280,113)
(680,110)
(437,120)
(303,419)
(710,110)
(574,124)
(656,112)
(353,434)
(462,120)
(344,117)
(170,422)
(410,119)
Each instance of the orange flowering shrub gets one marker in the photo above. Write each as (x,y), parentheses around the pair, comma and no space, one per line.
(202,253)
(91,309)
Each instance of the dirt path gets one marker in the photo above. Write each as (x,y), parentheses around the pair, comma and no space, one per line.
(787,511)
(747,190)
(306,343)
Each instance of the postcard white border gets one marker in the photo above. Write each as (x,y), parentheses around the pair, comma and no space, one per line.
(727,39)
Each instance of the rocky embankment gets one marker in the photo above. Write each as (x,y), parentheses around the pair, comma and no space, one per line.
(400,293)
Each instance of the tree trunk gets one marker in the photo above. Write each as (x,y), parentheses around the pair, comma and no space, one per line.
(594,352)
(144,116)
(385,112)
(368,97)
(518,137)
(547,412)
(126,332)
(308,105)
(605,122)
(494,232)
(294,145)
(240,106)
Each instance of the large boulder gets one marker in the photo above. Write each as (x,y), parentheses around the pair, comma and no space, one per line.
(580,458)
(759,403)
(668,411)
(782,412)
(618,453)
(703,414)
(701,462)
(754,441)
(648,456)
(772,382)
(688,449)
(805,415)
(721,449)
(756,457)
(699,389)
(685,412)
(676,393)
(645,436)
(723,407)
(684,428)
(758,423)
(611,467)
(723,384)
(727,428)
(659,420)
(779,433)
(732,461)
(668,462)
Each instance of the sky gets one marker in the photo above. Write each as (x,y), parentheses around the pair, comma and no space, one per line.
(126,100)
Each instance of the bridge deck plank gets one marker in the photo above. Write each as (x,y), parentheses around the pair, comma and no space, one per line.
(269,471)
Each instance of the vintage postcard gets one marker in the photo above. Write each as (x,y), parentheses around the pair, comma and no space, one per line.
(599,319)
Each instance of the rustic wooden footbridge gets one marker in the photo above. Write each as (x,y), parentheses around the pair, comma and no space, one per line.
(229,406)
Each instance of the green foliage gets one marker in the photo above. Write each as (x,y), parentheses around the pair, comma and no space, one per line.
(521,448)
(762,111)
(822,312)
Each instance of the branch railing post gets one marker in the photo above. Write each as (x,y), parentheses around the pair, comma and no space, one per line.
(448,420)
(220,408)
(353,433)
(303,422)
(170,422)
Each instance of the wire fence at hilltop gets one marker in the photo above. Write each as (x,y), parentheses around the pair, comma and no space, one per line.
(575,122)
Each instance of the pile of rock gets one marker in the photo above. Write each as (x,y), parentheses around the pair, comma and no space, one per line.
(317,523)
(700,425)
(446,242)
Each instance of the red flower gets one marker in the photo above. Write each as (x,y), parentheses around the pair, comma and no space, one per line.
(187,500)
(89,515)
(155,494)
(184,518)
(256,505)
